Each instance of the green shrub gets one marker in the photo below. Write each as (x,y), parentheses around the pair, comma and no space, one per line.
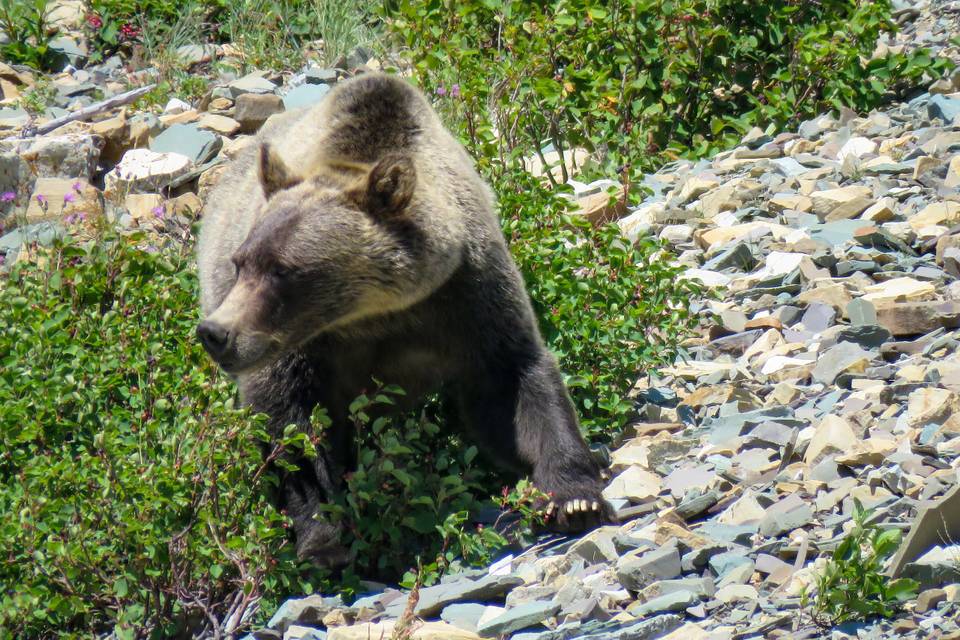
(24,23)
(133,495)
(414,480)
(609,310)
(131,490)
(638,81)
(852,586)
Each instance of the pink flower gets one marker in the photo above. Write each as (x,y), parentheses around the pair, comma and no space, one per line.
(129,32)
(441,91)
(77,187)
(158,211)
(455,91)
(94,21)
(41,199)
(7,196)
(69,197)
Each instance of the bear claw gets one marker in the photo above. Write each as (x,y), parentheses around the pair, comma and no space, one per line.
(572,507)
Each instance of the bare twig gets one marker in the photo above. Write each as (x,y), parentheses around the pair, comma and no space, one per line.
(94,109)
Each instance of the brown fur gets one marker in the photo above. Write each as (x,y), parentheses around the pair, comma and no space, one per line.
(357,242)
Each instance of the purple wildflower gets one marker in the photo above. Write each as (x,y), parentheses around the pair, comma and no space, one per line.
(82,216)
(70,218)
(7,196)
(455,91)
(77,187)
(41,199)
(69,197)
(441,91)
(158,211)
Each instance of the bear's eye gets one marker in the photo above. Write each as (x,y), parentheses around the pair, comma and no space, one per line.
(280,272)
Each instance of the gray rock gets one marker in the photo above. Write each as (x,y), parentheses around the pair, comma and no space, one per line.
(187,139)
(252,110)
(305,95)
(655,627)
(738,256)
(66,156)
(597,546)
(357,57)
(303,611)
(861,312)
(818,317)
(788,514)
(670,602)
(518,618)
(434,599)
(724,563)
(250,84)
(70,50)
(865,335)
(947,109)
(191,54)
(637,569)
(317,75)
(697,559)
(702,587)
(464,615)
(839,359)
(298,632)
(43,233)
(13,118)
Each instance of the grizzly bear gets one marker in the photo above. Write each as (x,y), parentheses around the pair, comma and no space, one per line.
(355,241)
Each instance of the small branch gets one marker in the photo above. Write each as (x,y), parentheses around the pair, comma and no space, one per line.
(94,109)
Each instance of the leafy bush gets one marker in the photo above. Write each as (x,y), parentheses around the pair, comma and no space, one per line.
(413,480)
(133,495)
(635,81)
(608,309)
(852,586)
(24,23)
(132,490)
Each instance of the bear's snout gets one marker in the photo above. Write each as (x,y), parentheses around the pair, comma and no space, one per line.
(215,338)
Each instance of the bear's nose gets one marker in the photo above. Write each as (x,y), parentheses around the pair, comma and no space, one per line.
(214,337)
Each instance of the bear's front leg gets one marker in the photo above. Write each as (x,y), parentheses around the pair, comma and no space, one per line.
(287,392)
(526,420)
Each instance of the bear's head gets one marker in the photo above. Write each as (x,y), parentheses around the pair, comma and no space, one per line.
(325,251)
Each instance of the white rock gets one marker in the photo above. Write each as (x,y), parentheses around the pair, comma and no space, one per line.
(634,483)
(882,210)
(935,214)
(175,106)
(899,289)
(145,169)
(856,148)
(834,435)
(778,263)
(779,363)
(707,277)
(736,593)
(953,173)
(676,233)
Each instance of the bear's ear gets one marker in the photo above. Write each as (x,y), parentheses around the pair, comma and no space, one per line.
(275,175)
(387,189)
